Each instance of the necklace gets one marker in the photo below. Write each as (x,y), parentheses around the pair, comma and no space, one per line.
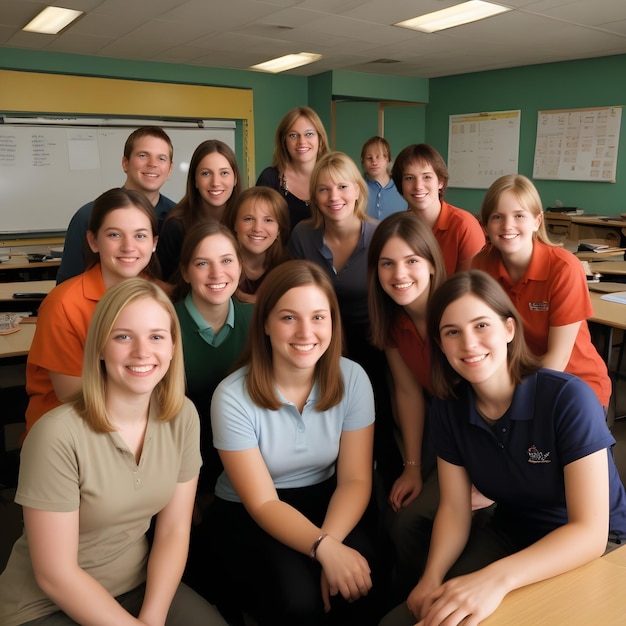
(283,186)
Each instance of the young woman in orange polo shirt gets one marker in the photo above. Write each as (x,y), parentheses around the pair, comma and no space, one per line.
(546,283)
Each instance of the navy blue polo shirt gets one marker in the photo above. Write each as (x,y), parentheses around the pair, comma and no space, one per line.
(554,419)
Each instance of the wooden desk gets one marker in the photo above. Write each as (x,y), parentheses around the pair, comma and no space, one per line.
(18,267)
(591,594)
(17,344)
(608,268)
(577,227)
(32,286)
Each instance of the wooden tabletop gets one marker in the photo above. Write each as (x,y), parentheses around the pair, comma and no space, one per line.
(32,287)
(21,262)
(616,268)
(608,313)
(17,344)
(591,594)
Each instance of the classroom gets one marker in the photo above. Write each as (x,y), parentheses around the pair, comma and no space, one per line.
(179,63)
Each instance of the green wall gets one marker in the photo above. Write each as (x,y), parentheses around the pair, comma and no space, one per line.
(572,84)
(273,94)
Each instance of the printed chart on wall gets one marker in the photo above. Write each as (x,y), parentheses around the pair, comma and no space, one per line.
(578,144)
(482,147)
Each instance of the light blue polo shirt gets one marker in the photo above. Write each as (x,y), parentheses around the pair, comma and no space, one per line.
(383,201)
(299,449)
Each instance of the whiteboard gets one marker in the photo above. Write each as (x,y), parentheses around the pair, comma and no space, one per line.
(48,171)
(482,147)
(578,144)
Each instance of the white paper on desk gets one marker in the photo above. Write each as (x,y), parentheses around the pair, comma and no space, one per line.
(619,296)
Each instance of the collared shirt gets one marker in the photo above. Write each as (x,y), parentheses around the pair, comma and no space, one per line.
(299,449)
(552,292)
(383,201)
(350,283)
(460,237)
(554,419)
(204,329)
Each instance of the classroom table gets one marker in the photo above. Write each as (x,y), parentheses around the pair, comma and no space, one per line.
(590,594)
(17,344)
(608,268)
(32,287)
(19,267)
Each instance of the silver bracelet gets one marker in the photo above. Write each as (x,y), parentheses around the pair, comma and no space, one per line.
(316,545)
(409,463)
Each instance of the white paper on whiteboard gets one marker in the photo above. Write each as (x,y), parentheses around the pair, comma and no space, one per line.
(82,148)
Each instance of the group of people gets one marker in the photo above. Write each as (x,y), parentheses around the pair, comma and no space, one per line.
(218,389)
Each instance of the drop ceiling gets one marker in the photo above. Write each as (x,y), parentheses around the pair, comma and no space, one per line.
(351,35)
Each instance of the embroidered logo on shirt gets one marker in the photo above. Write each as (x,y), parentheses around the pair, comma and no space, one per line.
(538,306)
(534,456)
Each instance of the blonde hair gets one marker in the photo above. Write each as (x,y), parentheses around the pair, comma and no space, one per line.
(170,390)
(340,167)
(526,194)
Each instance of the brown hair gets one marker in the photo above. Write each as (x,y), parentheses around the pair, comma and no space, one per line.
(340,168)
(281,157)
(258,353)
(189,210)
(383,311)
(526,194)
(381,143)
(121,198)
(89,402)
(193,238)
(146,131)
(277,252)
(420,153)
(521,362)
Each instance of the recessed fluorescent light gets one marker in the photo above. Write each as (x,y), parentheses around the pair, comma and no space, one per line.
(52,20)
(457,15)
(287,62)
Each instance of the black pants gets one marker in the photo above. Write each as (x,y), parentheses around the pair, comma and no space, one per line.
(274,583)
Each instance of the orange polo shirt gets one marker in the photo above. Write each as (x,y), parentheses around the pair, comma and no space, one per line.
(59,341)
(460,237)
(553,292)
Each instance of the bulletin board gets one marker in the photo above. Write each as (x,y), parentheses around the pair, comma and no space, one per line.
(482,147)
(578,144)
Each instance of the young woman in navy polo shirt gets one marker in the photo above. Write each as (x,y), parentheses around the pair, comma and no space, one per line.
(532,439)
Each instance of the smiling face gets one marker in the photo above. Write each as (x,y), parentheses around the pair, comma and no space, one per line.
(124,243)
(256,226)
(334,197)
(420,187)
(474,339)
(214,271)
(215,181)
(404,275)
(149,165)
(138,352)
(510,227)
(302,141)
(299,328)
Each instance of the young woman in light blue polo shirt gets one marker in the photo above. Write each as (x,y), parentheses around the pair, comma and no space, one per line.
(294,429)
(532,439)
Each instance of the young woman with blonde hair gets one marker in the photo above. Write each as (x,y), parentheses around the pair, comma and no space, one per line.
(546,283)
(95,471)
